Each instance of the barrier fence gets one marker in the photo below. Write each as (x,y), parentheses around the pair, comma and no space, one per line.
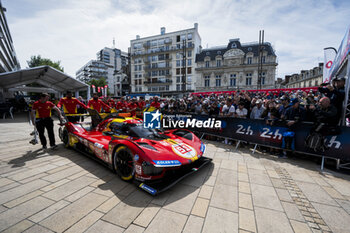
(259,133)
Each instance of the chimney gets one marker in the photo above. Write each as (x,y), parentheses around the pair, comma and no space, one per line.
(196,26)
(162,30)
(137,37)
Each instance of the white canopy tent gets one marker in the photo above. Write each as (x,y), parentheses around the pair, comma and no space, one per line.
(52,80)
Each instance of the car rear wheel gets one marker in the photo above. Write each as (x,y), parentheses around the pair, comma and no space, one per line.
(65,137)
(124,163)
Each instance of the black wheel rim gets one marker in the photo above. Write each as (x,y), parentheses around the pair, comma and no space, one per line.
(124,163)
(65,137)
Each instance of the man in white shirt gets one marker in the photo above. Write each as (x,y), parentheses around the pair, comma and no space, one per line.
(241,112)
(257,110)
(228,109)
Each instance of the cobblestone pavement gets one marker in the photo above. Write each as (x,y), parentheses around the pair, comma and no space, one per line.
(64,191)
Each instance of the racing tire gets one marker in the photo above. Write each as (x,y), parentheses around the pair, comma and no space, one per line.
(123,163)
(65,138)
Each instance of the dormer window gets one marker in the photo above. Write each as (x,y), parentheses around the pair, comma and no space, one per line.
(207,53)
(218,52)
(250,49)
(233,45)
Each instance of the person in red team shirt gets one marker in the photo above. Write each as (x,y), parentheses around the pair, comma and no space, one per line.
(70,106)
(121,105)
(141,103)
(155,103)
(97,104)
(133,106)
(42,110)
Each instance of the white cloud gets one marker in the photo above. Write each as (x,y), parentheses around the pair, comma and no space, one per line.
(76,30)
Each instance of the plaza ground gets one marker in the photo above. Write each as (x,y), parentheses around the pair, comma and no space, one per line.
(64,191)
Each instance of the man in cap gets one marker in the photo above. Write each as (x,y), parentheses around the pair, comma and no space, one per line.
(257,110)
(70,106)
(97,104)
(295,113)
(42,111)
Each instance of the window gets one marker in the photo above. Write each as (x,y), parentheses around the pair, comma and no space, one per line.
(136,67)
(233,80)
(207,81)
(316,83)
(218,81)
(248,81)
(136,75)
(218,63)
(249,61)
(177,70)
(178,87)
(189,36)
(262,78)
(189,78)
(263,59)
(189,62)
(178,63)
(178,55)
(178,79)
(189,53)
(189,70)
(207,64)
(233,45)
(189,44)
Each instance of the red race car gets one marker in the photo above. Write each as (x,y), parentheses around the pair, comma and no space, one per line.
(155,160)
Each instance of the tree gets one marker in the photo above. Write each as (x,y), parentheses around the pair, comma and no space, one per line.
(39,61)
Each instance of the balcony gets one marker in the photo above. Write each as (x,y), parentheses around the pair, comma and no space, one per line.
(146,44)
(168,41)
(149,67)
(158,81)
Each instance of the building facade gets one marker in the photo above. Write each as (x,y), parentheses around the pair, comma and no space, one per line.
(165,63)
(111,64)
(235,67)
(8,57)
(306,78)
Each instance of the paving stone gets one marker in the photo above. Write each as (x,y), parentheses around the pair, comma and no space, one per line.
(63,219)
(283,195)
(227,177)
(229,164)
(219,220)
(182,199)
(244,187)
(261,179)
(316,194)
(277,183)
(210,181)
(336,218)
(3,208)
(147,215)
(63,174)
(57,169)
(194,224)
(161,198)
(31,172)
(22,211)
(21,190)
(48,211)
(109,204)
(206,191)
(29,179)
(77,175)
(225,197)
(245,201)
(128,189)
(200,207)
(134,229)
(112,187)
(19,227)
(271,221)
(272,174)
(243,177)
(342,186)
(68,188)
(105,227)
(37,229)
(54,185)
(165,219)
(85,222)
(300,227)
(82,192)
(292,211)
(196,179)
(333,193)
(22,199)
(247,220)
(5,181)
(265,196)
(128,210)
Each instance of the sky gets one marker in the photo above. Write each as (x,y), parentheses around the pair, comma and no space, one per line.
(73,31)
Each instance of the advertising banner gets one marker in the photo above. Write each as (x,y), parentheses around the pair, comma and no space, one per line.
(329,54)
(258,132)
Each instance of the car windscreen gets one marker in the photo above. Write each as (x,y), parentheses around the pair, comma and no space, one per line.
(138,130)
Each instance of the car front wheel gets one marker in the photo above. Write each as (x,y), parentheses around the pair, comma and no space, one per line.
(124,163)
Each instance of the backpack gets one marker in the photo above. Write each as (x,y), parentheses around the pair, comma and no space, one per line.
(316,142)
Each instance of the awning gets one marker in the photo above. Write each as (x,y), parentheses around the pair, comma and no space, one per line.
(50,78)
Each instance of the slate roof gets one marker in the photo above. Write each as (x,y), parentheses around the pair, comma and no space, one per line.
(235,43)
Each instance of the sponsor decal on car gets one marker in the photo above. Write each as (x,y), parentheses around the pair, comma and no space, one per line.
(148,189)
(185,151)
(138,169)
(166,163)
(136,157)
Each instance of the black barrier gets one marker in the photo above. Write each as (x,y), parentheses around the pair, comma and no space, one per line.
(257,132)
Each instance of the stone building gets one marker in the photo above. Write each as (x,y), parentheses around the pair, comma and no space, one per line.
(306,78)
(235,67)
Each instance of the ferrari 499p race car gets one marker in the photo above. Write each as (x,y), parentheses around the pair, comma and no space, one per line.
(155,160)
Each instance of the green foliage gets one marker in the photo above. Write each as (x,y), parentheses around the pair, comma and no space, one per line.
(39,61)
(98,83)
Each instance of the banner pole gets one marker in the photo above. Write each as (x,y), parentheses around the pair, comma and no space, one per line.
(346,105)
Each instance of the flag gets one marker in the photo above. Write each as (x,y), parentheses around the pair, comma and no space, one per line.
(99,89)
(329,55)
(93,88)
